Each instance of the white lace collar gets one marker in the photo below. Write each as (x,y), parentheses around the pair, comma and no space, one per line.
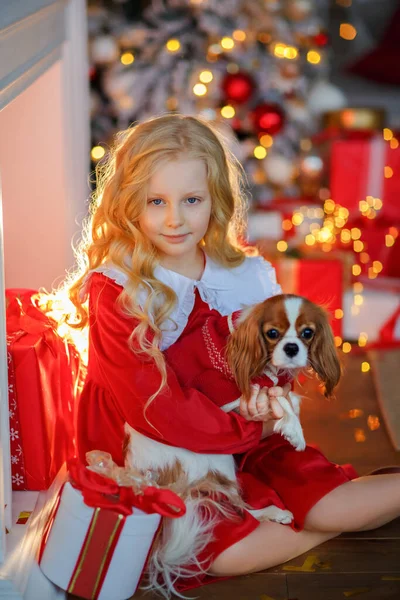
(224,290)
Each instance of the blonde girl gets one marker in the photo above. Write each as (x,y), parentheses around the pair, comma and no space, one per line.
(160,249)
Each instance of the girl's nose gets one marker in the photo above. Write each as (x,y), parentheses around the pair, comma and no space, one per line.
(174,217)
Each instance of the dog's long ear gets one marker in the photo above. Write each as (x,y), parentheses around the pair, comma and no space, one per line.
(324,357)
(246,351)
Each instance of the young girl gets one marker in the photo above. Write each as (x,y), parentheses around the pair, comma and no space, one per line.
(160,248)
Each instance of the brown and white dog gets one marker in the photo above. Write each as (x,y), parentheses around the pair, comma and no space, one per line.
(284,334)
(288,334)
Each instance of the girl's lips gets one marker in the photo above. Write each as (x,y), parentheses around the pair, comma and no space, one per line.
(175,239)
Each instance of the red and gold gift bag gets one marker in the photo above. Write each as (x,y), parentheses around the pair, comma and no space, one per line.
(43,373)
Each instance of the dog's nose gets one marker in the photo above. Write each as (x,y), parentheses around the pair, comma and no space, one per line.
(291,349)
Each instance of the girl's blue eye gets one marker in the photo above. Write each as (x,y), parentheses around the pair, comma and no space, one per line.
(194,199)
(156,201)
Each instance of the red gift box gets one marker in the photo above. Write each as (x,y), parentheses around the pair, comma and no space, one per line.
(358,171)
(374,234)
(321,281)
(43,373)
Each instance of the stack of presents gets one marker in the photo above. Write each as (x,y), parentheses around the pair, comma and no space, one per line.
(356,276)
(100,520)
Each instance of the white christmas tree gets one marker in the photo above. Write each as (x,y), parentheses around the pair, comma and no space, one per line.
(255,68)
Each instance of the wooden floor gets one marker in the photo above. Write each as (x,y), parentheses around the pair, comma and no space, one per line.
(363,565)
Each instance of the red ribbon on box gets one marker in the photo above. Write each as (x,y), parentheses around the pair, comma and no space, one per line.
(102,492)
(112,504)
(43,369)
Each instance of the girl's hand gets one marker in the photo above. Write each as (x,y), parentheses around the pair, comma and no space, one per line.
(261,407)
(276,391)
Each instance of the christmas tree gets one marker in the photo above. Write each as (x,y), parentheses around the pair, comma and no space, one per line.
(255,68)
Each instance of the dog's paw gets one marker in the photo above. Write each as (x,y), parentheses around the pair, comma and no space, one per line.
(301,446)
(282,516)
(292,432)
(296,438)
(273,513)
(298,441)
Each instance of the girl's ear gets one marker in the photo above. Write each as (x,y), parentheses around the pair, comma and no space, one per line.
(324,357)
(246,352)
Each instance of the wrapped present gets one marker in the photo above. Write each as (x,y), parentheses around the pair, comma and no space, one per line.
(380,246)
(319,280)
(43,373)
(355,123)
(101,529)
(264,224)
(362,168)
(390,330)
(372,318)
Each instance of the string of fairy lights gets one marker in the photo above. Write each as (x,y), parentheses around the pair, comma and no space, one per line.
(206,76)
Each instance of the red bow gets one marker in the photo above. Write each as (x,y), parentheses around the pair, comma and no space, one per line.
(102,492)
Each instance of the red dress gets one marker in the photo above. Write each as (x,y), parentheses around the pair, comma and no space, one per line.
(197,357)
(118,386)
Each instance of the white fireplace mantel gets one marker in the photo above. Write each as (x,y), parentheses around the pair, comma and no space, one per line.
(29,44)
(43,191)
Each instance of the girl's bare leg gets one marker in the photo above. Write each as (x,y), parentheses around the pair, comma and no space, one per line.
(267,546)
(361,504)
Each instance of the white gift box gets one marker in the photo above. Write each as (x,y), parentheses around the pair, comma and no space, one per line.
(67,552)
(264,225)
(377,307)
(267,224)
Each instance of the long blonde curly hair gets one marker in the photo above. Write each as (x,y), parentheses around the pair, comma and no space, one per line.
(111,233)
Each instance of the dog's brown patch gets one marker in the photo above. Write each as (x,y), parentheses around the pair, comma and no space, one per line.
(168,476)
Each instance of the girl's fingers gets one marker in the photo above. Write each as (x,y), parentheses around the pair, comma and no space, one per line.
(276,408)
(262,403)
(244,407)
(252,404)
(243,410)
(275,391)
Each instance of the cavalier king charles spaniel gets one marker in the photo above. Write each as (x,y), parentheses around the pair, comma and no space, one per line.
(222,356)
(285,334)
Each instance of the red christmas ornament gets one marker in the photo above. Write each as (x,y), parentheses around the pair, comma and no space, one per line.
(238,87)
(236,123)
(321,39)
(268,118)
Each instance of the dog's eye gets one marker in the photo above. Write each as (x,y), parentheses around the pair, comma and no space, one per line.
(307,333)
(272,334)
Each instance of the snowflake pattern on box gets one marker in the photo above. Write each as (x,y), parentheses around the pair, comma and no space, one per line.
(17,458)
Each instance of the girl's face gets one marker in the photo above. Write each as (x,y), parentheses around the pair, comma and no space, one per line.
(178,211)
